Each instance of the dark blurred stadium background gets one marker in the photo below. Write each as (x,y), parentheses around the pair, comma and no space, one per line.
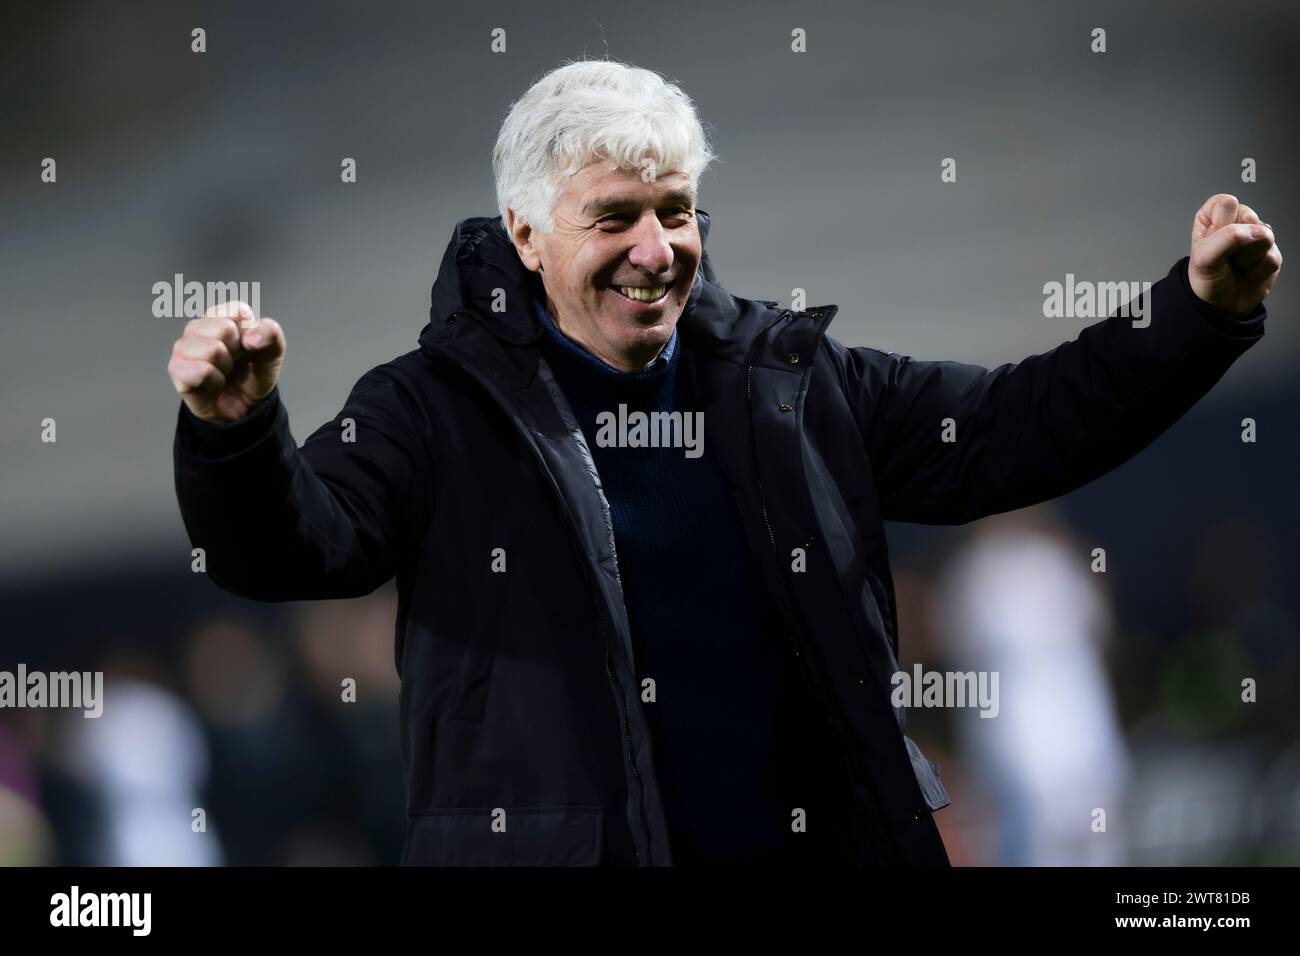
(1119,690)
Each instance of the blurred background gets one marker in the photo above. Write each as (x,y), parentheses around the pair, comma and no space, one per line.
(1119,690)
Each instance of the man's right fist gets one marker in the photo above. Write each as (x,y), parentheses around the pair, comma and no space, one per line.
(226,362)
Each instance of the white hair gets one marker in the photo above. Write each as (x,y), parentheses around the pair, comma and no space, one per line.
(585,111)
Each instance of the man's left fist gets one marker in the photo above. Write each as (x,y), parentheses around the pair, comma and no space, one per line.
(1234,259)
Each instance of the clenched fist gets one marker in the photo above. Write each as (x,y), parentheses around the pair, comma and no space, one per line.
(1234,260)
(226,362)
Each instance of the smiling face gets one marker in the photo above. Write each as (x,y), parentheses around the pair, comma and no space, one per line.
(620,263)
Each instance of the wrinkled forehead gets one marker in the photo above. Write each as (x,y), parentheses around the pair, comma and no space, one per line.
(600,187)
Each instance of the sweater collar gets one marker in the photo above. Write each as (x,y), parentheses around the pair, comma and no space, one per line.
(589,380)
(663,360)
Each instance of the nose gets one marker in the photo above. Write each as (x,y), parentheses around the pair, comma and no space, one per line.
(650,250)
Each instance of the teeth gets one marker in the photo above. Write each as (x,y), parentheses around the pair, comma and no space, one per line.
(643,293)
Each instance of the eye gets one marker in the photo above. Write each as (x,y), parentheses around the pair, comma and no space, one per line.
(618,219)
(682,214)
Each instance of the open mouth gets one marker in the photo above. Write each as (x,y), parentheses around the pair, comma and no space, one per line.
(642,293)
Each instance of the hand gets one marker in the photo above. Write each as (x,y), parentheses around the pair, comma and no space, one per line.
(226,362)
(1234,260)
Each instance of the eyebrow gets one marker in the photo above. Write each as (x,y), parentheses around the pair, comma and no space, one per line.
(606,204)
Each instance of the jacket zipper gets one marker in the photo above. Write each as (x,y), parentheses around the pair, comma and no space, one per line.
(845,744)
(593,588)
(609,672)
(749,400)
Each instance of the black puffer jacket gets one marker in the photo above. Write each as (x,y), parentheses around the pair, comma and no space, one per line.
(519,691)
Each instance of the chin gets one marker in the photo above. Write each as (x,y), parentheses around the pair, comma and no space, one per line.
(652,334)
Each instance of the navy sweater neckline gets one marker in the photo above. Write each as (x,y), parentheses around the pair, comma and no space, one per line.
(588,378)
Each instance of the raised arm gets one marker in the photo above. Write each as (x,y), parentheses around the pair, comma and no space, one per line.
(1023,433)
(278,523)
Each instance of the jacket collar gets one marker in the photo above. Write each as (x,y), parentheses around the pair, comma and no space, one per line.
(480,265)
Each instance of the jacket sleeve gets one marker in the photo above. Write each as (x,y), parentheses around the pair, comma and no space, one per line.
(330,520)
(1034,430)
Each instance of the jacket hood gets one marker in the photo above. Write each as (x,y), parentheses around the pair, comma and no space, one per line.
(480,260)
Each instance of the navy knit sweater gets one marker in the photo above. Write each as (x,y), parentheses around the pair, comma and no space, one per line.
(726,722)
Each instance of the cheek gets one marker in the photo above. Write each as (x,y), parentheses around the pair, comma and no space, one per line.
(598,268)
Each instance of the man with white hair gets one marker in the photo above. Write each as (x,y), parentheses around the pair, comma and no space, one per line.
(646,614)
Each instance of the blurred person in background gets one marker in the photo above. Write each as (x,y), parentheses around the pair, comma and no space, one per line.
(143,763)
(294,780)
(273,767)
(354,642)
(1018,598)
(26,838)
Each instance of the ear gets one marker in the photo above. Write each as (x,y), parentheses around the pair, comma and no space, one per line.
(521,234)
